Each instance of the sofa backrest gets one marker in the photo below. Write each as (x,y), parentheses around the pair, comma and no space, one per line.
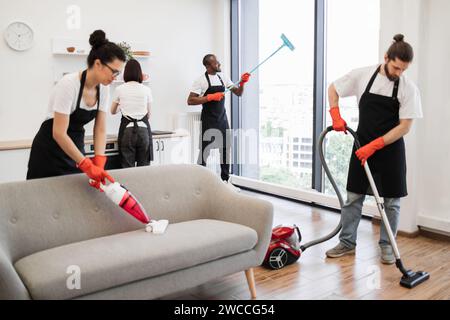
(45,213)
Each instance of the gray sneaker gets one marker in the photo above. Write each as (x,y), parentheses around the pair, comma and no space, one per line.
(339,251)
(387,255)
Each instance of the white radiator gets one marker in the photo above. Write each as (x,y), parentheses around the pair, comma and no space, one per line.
(194,126)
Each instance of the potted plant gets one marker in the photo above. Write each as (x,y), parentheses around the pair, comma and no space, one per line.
(126,49)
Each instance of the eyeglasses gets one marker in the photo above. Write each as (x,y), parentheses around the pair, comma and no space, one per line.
(115,73)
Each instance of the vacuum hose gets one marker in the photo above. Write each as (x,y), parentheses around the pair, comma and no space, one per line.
(320,148)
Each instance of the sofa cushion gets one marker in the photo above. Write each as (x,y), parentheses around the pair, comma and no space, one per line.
(115,260)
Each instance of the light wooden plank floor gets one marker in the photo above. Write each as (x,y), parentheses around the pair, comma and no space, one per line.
(354,277)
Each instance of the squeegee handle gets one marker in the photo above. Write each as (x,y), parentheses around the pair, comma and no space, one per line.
(264,61)
(259,65)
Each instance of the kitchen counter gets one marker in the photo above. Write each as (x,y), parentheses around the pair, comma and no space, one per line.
(26,144)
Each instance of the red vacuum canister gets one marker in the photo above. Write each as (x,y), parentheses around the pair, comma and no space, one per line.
(284,247)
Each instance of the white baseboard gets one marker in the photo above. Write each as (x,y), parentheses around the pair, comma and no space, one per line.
(434,223)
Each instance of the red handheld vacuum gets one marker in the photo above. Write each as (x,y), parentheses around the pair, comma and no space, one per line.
(120,195)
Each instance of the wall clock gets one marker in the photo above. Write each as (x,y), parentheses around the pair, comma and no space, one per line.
(19,36)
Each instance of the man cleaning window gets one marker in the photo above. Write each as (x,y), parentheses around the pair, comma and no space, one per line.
(209,91)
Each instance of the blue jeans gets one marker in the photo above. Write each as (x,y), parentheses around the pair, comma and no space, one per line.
(351,216)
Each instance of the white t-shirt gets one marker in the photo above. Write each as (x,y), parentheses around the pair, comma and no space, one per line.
(355,83)
(134,99)
(64,96)
(201,84)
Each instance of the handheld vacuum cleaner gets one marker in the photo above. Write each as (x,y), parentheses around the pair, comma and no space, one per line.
(120,195)
(285,245)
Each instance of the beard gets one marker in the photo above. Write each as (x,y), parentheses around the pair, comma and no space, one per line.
(388,75)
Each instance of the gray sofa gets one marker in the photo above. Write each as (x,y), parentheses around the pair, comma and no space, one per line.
(61,239)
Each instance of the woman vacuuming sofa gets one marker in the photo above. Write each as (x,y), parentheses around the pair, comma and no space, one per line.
(77,99)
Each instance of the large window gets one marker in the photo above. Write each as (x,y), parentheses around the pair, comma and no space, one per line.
(280,107)
(348,48)
(277,113)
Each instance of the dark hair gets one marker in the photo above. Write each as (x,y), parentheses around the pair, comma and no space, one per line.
(400,49)
(206,59)
(103,50)
(133,71)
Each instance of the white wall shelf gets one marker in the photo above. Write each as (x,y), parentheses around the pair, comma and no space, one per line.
(60,46)
(86,54)
(82,48)
(70,54)
(65,65)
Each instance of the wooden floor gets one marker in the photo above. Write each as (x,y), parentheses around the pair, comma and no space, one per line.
(354,277)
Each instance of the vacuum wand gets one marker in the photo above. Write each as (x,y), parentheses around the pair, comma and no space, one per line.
(410,279)
(286,43)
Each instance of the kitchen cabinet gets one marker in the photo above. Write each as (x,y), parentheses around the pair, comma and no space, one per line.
(14,165)
(170,150)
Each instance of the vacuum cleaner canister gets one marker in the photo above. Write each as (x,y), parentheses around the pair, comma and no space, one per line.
(284,248)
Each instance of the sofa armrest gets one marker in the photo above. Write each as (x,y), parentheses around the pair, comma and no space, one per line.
(249,211)
(11,286)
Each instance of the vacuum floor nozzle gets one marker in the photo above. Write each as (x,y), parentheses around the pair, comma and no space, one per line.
(413,279)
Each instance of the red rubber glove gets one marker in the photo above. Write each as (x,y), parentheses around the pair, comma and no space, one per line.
(339,124)
(94,172)
(368,150)
(244,78)
(215,96)
(99,161)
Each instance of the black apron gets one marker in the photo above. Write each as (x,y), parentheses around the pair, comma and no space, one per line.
(213,113)
(377,116)
(124,122)
(214,117)
(47,159)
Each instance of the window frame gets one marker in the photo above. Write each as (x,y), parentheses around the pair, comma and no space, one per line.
(319,99)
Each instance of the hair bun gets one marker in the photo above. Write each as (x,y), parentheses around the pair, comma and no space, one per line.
(97,39)
(399,38)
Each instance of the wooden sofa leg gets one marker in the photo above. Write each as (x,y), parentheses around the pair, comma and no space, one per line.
(251,282)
